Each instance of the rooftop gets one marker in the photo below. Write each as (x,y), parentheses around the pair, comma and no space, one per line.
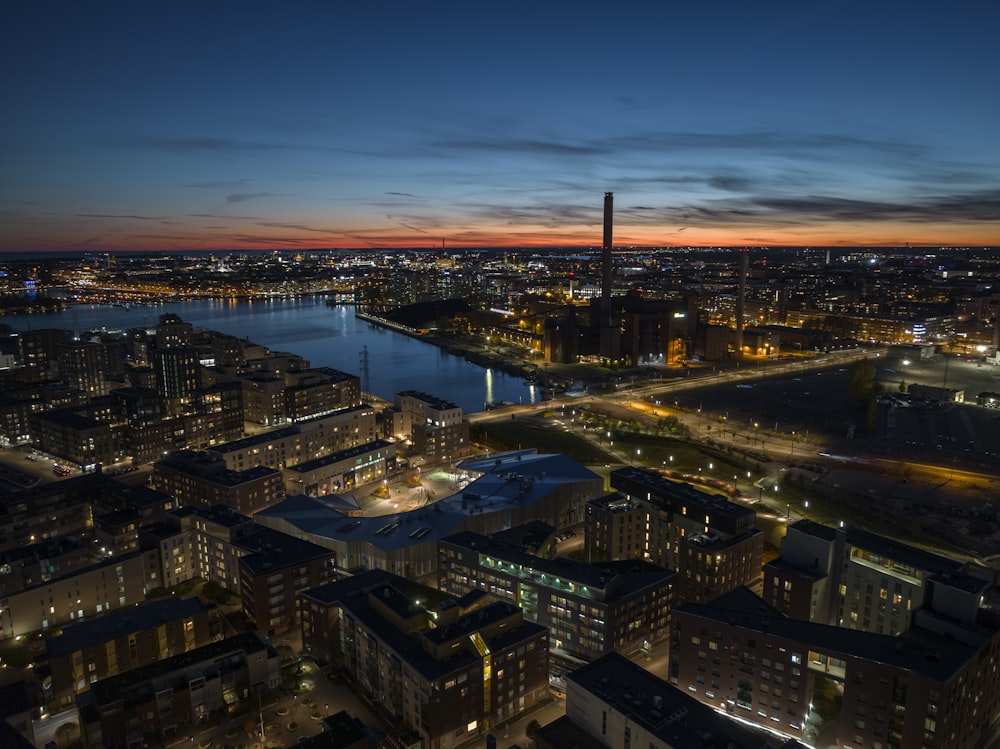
(658,487)
(122,622)
(669,714)
(272,550)
(348,454)
(218,514)
(411,651)
(922,652)
(433,401)
(508,480)
(124,685)
(883,546)
(611,580)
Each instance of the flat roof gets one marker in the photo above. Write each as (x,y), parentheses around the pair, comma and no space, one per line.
(671,715)
(508,481)
(662,488)
(431,400)
(222,515)
(351,452)
(123,622)
(273,550)
(124,684)
(915,650)
(884,546)
(410,649)
(617,578)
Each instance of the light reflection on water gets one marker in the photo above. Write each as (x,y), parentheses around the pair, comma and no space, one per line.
(326,336)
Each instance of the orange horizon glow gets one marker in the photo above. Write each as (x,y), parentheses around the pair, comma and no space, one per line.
(588,237)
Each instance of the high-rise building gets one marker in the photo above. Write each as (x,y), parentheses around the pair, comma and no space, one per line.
(178,374)
(448,669)
(712,543)
(81,365)
(936,685)
(852,578)
(614,703)
(589,609)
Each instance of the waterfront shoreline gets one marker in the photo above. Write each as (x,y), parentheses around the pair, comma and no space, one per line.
(455,347)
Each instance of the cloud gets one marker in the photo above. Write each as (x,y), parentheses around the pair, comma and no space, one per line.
(242,197)
(524,146)
(132,216)
(221,184)
(294,227)
(958,208)
(206,144)
(729,183)
(402,194)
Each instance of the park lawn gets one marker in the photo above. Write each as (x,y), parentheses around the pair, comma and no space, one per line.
(515,435)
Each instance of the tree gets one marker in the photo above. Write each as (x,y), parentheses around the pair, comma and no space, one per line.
(863,381)
(67,735)
(532,728)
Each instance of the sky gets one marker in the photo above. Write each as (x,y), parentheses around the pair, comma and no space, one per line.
(259,125)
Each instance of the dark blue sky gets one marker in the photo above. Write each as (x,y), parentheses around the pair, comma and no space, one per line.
(318,124)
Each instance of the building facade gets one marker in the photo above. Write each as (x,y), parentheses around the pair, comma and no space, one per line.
(448,671)
(712,543)
(852,578)
(122,640)
(589,609)
(162,702)
(935,686)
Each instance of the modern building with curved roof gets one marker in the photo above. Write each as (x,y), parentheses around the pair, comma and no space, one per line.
(512,488)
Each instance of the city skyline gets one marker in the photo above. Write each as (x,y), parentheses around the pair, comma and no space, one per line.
(233,127)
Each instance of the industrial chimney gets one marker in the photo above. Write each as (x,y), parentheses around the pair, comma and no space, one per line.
(607,326)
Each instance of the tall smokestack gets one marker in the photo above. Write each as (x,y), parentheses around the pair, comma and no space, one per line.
(741,298)
(609,211)
(608,343)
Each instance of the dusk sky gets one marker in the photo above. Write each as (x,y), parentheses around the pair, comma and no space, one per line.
(247,125)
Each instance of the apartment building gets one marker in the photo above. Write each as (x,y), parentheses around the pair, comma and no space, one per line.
(589,609)
(81,594)
(199,478)
(614,702)
(124,639)
(859,580)
(936,685)
(305,440)
(161,702)
(436,427)
(449,670)
(341,471)
(712,543)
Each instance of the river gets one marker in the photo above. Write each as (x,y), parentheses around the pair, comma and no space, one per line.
(326,336)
